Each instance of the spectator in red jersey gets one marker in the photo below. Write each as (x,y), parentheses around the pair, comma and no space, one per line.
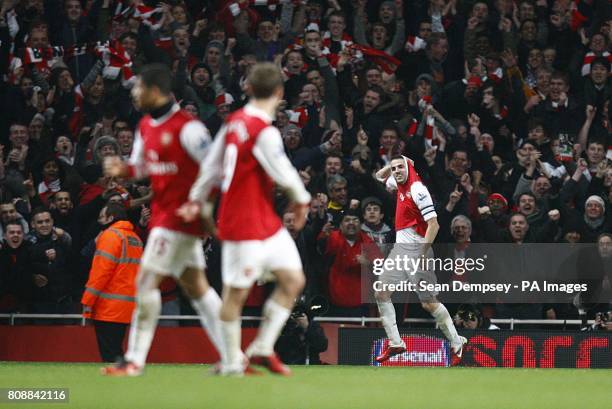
(345,249)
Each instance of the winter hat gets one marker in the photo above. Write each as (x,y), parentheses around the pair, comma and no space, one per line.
(430,80)
(425,77)
(215,44)
(290,127)
(350,212)
(100,143)
(597,199)
(371,200)
(202,65)
(500,197)
(312,27)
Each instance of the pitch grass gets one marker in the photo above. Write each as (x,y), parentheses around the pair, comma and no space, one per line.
(337,387)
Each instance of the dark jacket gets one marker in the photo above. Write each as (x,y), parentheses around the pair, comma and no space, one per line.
(295,344)
(58,272)
(14,278)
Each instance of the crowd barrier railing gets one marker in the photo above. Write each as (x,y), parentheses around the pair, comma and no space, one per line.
(362,321)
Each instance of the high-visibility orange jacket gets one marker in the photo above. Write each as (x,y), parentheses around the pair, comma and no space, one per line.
(111,288)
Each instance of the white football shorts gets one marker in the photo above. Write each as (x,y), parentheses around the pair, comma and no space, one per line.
(410,244)
(244,262)
(169,252)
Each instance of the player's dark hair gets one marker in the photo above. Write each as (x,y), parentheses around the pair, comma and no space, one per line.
(157,75)
(265,79)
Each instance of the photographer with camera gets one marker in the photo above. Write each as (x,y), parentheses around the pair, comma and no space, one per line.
(469,316)
(603,322)
(302,339)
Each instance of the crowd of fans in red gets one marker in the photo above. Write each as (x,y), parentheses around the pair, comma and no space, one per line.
(502,105)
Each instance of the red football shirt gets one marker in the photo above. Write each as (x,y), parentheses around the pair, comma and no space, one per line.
(169,150)
(414,203)
(246,160)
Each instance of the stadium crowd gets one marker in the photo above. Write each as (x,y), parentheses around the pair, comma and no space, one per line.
(502,105)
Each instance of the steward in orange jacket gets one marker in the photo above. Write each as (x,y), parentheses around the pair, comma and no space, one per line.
(109,297)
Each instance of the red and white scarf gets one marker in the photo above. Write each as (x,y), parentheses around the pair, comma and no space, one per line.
(588,60)
(117,62)
(344,42)
(359,52)
(415,44)
(47,188)
(298,116)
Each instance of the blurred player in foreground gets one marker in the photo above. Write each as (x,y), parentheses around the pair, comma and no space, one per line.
(416,224)
(169,146)
(247,158)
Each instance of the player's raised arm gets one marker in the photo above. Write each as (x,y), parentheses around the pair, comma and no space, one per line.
(383,174)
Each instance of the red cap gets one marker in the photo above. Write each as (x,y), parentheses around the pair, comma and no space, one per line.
(498,196)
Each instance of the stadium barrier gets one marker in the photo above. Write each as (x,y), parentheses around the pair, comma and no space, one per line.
(74,340)
(362,321)
(492,348)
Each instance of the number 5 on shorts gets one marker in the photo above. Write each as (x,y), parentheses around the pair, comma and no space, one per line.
(160,245)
